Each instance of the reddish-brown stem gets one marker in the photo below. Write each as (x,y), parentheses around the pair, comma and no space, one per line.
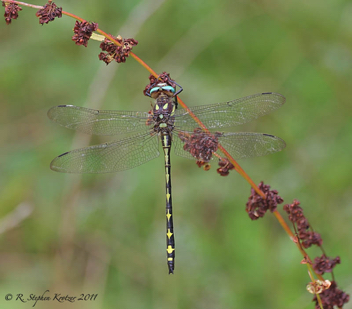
(73,16)
(239,170)
(24,4)
(289,232)
(108,36)
(284,224)
(151,71)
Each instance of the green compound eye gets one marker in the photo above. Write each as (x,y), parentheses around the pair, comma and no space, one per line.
(154,89)
(168,88)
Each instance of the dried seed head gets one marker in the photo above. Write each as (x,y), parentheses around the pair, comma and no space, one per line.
(295,212)
(114,52)
(256,206)
(296,216)
(318,286)
(323,264)
(11,11)
(332,297)
(201,145)
(310,238)
(48,13)
(206,165)
(225,167)
(83,31)
(200,163)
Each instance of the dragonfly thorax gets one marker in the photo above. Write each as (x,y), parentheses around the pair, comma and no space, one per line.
(163,113)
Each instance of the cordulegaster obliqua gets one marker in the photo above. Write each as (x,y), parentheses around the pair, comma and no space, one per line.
(173,127)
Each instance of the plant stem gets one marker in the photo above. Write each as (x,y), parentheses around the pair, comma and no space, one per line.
(23,3)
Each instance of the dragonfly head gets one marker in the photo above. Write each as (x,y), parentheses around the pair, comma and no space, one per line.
(160,88)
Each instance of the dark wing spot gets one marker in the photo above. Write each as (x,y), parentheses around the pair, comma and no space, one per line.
(61,105)
(268,135)
(63,154)
(267,93)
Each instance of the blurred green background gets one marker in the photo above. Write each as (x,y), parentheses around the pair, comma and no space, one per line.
(105,234)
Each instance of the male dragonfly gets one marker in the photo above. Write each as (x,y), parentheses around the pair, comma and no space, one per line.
(172,127)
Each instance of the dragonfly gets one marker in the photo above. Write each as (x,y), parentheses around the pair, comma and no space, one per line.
(140,133)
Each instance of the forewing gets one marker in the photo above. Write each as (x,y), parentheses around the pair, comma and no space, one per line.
(109,157)
(230,113)
(98,122)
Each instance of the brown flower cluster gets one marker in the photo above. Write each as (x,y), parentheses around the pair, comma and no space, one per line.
(11,11)
(225,167)
(256,206)
(162,78)
(296,216)
(114,52)
(332,297)
(83,31)
(323,264)
(200,144)
(48,13)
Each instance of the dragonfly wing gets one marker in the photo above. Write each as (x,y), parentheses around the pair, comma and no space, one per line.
(246,145)
(109,157)
(99,122)
(230,113)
